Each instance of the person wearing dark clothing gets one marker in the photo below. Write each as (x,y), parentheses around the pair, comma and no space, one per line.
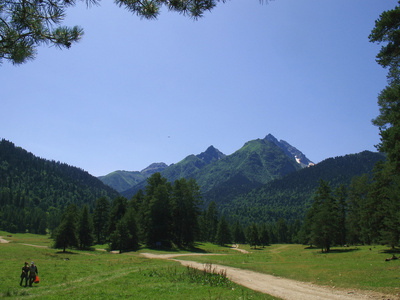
(32,274)
(24,274)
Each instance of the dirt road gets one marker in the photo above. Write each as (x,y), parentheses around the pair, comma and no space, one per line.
(276,286)
(3,240)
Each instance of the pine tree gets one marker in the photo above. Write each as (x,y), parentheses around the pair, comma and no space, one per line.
(117,211)
(386,183)
(156,211)
(120,237)
(185,200)
(282,231)
(384,195)
(264,236)
(324,219)
(211,221)
(27,24)
(65,234)
(101,216)
(85,229)
(130,220)
(223,235)
(386,32)
(341,197)
(356,203)
(253,236)
(238,233)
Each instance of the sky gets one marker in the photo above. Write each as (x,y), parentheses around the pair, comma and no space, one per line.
(133,92)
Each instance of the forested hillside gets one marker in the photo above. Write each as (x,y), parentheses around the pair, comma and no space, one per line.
(290,197)
(31,187)
(122,180)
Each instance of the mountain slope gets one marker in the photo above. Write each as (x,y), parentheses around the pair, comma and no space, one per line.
(193,164)
(183,169)
(291,151)
(222,177)
(291,196)
(258,162)
(29,181)
(124,180)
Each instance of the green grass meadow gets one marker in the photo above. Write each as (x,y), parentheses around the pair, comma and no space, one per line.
(102,275)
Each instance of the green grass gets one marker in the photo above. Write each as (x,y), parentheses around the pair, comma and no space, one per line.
(101,275)
(354,267)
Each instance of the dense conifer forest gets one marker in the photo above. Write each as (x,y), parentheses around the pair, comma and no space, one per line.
(35,191)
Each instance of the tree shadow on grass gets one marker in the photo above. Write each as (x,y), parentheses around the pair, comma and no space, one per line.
(257,248)
(174,248)
(67,252)
(334,250)
(391,251)
(345,250)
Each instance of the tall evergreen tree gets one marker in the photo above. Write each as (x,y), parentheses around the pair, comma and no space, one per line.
(387,32)
(223,235)
(65,234)
(137,200)
(117,211)
(356,204)
(386,188)
(185,200)
(238,235)
(120,237)
(372,209)
(384,196)
(211,221)
(101,216)
(341,199)
(130,220)
(253,236)
(156,211)
(325,221)
(282,231)
(264,235)
(85,229)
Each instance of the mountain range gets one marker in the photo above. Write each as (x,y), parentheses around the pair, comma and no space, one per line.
(264,180)
(256,163)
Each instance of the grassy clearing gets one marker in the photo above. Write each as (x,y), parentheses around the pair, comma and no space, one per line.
(101,275)
(354,267)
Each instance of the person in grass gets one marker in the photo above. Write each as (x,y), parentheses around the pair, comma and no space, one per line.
(24,274)
(32,274)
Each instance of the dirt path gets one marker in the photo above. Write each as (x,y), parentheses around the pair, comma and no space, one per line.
(3,241)
(276,286)
(236,247)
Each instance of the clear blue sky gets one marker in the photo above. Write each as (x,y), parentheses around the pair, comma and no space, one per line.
(134,91)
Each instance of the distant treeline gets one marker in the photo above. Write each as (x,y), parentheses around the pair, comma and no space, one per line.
(163,215)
